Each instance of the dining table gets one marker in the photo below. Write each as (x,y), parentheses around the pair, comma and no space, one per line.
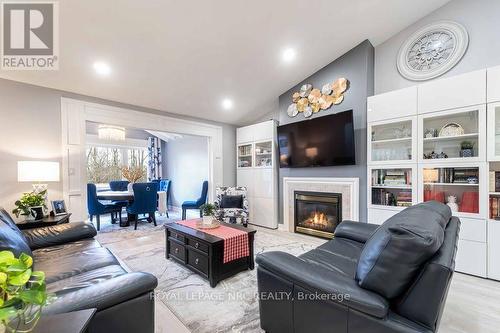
(129,196)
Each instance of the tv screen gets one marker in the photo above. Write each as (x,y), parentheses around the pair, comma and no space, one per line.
(322,141)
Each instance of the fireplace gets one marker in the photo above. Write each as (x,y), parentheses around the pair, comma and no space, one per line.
(317,213)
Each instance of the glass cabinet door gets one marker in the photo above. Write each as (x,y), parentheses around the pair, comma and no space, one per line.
(392,187)
(458,187)
(245,156)
(451,135)
(494,132)
(263,154)
(391,142)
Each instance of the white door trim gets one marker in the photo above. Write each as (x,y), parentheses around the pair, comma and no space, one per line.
(74,114)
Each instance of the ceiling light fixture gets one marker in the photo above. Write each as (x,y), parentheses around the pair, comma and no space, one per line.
(227,103)
(102,68)
(111,133)
(289,55)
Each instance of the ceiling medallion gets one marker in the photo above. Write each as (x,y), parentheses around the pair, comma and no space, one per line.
(309,100)
(432,51)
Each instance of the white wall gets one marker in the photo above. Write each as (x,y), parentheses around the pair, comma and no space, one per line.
(31,129)
(185,163)
(30,118)
(480,18)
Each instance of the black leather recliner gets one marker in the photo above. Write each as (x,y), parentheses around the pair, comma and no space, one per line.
(83,275)
(368,279)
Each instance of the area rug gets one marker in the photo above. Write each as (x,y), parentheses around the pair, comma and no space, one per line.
(231,306)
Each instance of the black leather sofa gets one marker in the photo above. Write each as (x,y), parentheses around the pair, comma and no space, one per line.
(367,279)
(83,275)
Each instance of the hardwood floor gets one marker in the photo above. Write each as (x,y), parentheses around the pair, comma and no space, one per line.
(473,306)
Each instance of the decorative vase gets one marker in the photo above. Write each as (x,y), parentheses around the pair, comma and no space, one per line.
(468,152)
(452,203)
(130,187)
(208,220)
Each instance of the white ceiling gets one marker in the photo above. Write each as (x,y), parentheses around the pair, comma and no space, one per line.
(187,56)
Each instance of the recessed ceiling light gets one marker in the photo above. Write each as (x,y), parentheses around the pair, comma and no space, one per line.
(227,103)
(288,55)
(102,68)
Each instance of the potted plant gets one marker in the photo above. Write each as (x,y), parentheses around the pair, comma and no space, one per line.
(208,211)
(27,201)
(466,149)
(132,174)
(22,293)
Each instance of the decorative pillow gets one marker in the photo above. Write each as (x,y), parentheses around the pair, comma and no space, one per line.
(393,255)
(231,201)
(11,238)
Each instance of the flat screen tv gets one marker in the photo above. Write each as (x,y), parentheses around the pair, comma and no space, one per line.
(322,141)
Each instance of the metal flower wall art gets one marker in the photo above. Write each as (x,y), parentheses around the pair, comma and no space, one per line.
(308,100)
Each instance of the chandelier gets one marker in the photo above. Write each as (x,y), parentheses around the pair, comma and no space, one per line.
(111,133)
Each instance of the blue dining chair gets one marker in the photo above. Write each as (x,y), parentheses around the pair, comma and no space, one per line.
(145,201)
(118,185)
(198,203)
(165,186)
(96,208)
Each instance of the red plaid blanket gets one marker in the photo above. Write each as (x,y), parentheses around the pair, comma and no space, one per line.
(235,241)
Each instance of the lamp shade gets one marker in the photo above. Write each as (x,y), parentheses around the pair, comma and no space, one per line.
(37,171)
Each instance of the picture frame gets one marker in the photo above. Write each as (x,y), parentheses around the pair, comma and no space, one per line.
(58,207)
(36,213)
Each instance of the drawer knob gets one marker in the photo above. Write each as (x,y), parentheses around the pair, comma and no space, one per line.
(196,261)
(196,245)
(176,250)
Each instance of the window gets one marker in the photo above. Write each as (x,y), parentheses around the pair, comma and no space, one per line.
(104,163)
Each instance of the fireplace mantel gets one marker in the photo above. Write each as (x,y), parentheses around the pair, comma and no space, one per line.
(348,187)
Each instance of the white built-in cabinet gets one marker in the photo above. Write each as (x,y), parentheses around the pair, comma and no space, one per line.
(403,165)
(257,170)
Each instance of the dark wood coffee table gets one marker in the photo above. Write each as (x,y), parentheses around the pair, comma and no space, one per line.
(203,253)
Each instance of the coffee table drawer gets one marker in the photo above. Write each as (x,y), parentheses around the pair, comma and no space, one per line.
(198,245)
(177,250)
(198,261)
(177,236)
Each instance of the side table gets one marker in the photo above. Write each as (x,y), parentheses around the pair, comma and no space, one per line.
(45,222)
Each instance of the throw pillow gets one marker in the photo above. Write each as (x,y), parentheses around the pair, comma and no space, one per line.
(231,201)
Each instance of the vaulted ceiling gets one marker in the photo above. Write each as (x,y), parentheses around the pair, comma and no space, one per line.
(186,57)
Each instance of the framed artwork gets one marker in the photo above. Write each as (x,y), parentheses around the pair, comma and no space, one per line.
(59,207)
(36,212)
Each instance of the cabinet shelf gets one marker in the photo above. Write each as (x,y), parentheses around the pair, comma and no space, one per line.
(398,187)
(451,138)
(452,184)
(391,140)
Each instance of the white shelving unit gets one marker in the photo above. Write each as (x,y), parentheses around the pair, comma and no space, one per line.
(257,170)
(463,100)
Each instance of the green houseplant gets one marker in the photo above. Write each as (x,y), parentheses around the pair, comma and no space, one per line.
(22,293)
(28,200)
(208,211)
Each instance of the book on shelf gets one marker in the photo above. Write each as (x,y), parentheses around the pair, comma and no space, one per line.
(495,207)
(385,197)
(391,177)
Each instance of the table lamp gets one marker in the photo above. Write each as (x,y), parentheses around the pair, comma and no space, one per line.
(38,172)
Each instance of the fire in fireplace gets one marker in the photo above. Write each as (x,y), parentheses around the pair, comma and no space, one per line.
(317,213)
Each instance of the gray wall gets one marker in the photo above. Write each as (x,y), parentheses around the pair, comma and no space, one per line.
(185,162)
(479,17)
(357,66)
(31,129)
